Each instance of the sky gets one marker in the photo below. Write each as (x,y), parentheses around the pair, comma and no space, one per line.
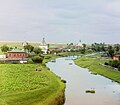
(60,21)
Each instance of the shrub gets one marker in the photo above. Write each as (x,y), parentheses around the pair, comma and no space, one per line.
(106,63)
(115,63)
(47,57)
(30,61)
(90,91)
(37,59)
(64,81)
(110,63)
(119,68)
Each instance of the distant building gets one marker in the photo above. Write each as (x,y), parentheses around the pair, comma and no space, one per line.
(14,56)
(15,53)
(44,46)
(2,56)
(116,57)
(53,48)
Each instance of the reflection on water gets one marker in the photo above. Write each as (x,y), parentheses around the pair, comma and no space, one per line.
(80,79)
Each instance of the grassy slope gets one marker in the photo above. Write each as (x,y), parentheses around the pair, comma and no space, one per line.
(94,65)
(20,84)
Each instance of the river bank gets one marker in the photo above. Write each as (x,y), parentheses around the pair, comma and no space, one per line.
(80,79)
(93,63)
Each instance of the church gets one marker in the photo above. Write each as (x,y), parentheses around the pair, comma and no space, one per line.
(44,46)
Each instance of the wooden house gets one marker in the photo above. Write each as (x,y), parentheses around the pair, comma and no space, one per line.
(116,57)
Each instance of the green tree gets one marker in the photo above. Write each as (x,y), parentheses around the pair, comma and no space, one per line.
(28,47)
(117,47)
(84,48)
(37,50)
(98,47)
(37,59)
(110,50)
(4,48)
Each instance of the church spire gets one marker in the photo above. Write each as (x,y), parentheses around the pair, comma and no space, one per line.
(43,41)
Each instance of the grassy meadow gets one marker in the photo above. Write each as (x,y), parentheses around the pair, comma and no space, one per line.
(93,63)
(21,84)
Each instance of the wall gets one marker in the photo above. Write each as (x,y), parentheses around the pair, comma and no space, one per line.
(16,55)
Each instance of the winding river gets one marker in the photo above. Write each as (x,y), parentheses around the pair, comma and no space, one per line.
(80,79)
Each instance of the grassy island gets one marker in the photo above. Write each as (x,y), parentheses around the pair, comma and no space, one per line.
(94,64)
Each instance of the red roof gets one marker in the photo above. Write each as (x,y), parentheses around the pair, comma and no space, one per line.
(117,55)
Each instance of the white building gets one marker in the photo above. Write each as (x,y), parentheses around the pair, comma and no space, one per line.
(2,56)
(44,46)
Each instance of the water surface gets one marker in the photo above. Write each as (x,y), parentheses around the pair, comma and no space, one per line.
(80,79)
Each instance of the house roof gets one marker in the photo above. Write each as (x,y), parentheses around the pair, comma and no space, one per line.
(57,46)
(117,55)
(16,50)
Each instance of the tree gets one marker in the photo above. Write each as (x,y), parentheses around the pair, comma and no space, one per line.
(84,48)
(110,50)
(37,50)
(4,48)
(98,47)
(37,59)
(28,47)
(117,47)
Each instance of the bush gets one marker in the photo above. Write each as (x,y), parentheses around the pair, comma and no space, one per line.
(90,91)
(119,68)
(110,63)
(106,63)
(37,59)
(64,81)
(47,57)
(115,63)
(30,61)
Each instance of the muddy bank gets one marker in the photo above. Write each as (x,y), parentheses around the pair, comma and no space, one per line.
(59,99)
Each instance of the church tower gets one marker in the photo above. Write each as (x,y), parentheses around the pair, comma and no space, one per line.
(43,41)
(44,46)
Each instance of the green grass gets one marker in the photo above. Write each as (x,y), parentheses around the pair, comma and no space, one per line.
(21,84)
(93,63)
(49,57)
(69,54)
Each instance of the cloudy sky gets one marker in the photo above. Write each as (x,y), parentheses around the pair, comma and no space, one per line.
(62,21)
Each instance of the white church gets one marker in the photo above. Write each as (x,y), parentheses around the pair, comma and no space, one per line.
(44,46)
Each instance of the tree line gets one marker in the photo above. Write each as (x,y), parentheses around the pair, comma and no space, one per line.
(110,50)
(28,48)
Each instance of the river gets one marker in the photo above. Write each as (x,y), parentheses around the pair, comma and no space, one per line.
(80,79)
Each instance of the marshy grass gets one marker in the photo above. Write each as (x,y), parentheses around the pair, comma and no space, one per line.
(95,67)
(90,91)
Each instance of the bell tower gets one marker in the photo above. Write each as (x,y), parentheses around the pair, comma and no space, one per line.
(43,41)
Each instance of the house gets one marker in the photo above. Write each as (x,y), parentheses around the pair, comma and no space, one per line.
(116,57)
(16,54)
(53,48)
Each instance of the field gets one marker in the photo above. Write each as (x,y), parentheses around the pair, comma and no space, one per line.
(93,63)
(21,84)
